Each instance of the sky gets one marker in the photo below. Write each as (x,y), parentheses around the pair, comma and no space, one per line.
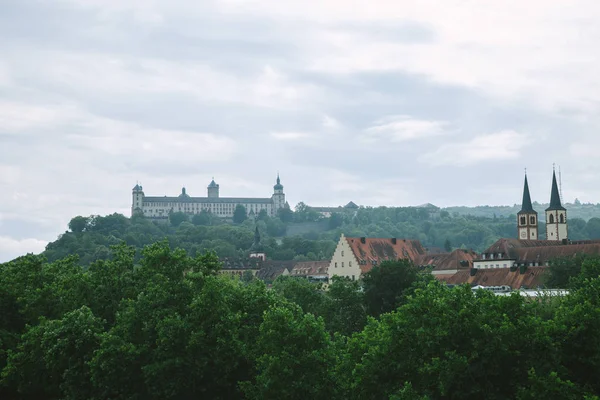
(393,103)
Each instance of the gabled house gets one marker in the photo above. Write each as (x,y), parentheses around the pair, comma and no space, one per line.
(355,256)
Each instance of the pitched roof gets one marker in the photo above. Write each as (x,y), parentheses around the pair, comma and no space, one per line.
(555,196)
(532,278)
(310,268)
(372,251)
(204,200)
(526,206)
(541,250)
(456,260)
(508,246)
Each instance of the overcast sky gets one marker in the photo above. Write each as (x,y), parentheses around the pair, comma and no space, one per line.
(379,102)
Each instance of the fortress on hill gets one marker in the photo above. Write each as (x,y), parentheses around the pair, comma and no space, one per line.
(157,207)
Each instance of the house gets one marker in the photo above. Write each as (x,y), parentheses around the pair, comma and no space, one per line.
(326,212)
(315,271)
(355,256)
(448,263)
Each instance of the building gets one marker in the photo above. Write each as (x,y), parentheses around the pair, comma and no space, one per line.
(160,207)
(448,263)
(314,271)
(356,256)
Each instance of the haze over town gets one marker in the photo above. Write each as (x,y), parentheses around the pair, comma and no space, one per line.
(382,103)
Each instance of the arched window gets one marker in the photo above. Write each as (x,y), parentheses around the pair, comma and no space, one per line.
(562,218)
(523,221)
(532,220)
(551,220)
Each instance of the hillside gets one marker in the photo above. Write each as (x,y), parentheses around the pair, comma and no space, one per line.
(304,235)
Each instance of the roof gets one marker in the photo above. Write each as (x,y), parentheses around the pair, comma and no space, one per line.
(247,200)
(456,260)
(278,185)
(526,206)
(351,204)
(541,250)
(372,251)
(532,278)
(310,268)
(213,184)
(137,187)
(555,196)
(248,263)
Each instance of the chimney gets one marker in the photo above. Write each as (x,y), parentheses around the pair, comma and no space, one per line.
(363,240)
(394,241)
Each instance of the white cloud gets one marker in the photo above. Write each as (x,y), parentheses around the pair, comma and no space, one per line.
(290,136)
(503,145)
(12,248)
(400,128)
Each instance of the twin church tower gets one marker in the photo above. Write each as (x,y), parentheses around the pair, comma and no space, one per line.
(556,216)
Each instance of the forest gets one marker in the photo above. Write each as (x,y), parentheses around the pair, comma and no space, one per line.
(302,234)
(167,325)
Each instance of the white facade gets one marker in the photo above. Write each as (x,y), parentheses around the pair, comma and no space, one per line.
(556,225)
(528,226)
(344,262)
(224,207)
(490,262)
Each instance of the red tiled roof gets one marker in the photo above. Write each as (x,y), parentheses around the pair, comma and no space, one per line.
(458,259)
(541,250)
(532,278)
(372,251)
(310,268)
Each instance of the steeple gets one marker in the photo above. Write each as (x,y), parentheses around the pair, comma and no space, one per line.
(526,206)
(527,220)
(555,203)
(278,185)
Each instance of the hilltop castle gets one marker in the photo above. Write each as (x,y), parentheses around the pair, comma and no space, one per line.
(160,207)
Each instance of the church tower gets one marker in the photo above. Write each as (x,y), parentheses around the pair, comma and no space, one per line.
(527,218)
(278,196)
(556,215)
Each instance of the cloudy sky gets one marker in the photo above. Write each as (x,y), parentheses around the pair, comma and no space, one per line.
(379,102)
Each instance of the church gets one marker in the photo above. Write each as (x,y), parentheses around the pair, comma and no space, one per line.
(527,250)
(156,207)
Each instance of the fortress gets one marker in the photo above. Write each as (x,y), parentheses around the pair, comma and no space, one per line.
(160,207)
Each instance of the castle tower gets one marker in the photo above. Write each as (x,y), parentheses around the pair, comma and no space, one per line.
(137,200)
(213,189)
(527,218)
(556,215)
(278,196)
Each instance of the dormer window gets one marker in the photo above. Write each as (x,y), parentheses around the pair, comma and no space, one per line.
(483,256)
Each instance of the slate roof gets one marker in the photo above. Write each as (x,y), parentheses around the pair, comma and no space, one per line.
(532,278)
(372,251)
(526,206)
(204,200)
(540,250)
(555,196)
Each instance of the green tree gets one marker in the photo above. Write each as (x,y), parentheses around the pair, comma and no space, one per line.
(448,245)
(387,285)
(176,218)
(78,224)
(239,214)
(202,218)
(300,371)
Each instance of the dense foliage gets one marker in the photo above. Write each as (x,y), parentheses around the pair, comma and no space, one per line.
(302,234)
(168,326)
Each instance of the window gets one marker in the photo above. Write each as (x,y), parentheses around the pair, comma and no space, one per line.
(342,264)
(562,219)
(336,265)
(352,277)
(342,253)
(551,219)
(523,221)
(350,263)
(504,265)
(532,220)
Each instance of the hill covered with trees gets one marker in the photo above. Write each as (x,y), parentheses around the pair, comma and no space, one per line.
(302,234)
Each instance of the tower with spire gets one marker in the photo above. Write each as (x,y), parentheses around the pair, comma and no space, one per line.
(278,195)
(556,215)
(527,218)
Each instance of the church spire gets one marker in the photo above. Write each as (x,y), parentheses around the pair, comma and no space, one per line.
(526,206)
(555,203)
